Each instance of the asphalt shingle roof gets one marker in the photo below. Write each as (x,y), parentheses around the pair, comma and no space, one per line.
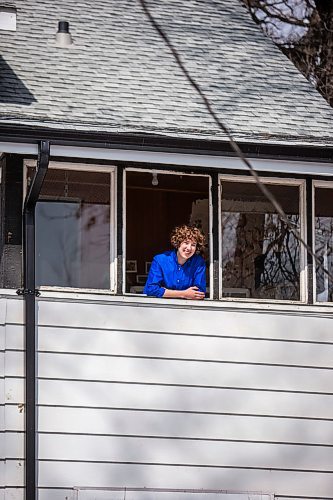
(118,76)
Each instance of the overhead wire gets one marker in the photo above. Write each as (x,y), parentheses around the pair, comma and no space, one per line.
(235,147)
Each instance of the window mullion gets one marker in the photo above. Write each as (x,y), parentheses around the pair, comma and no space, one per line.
(309,227)
(120,222)
(215,235)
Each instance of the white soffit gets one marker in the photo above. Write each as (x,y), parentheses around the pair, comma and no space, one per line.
(179,159)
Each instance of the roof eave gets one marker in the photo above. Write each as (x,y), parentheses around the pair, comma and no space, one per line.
(310,149)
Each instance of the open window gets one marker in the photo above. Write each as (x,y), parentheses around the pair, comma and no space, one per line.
(260,256)
(323,240)
(75,228)
(156,202)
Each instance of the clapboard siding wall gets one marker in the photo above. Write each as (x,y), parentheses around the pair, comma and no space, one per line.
(161,395)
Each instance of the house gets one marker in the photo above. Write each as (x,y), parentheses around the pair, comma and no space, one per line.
(140,398)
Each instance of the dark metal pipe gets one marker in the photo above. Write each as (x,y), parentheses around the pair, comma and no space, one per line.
(29,292)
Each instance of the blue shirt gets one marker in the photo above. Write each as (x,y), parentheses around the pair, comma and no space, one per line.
(166,272)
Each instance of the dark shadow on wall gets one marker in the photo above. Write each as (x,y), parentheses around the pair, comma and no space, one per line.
(12,89)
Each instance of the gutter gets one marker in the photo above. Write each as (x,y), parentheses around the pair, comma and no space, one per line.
(29,293)
(255,147)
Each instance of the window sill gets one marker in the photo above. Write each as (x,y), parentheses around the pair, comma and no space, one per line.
(144,301)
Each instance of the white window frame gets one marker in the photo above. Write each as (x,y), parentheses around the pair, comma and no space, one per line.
(152,170)
(323,185)
(301,184)
(87,167)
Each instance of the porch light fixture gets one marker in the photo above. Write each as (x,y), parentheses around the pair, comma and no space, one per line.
(63,36)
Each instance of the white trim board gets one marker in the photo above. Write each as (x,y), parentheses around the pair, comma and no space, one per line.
(246,305)
(147,494)
(185,159)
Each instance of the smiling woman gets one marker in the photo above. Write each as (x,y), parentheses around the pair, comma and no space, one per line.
(157,201)
(179,273)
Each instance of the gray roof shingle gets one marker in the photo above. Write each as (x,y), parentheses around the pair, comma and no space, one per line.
(118,76)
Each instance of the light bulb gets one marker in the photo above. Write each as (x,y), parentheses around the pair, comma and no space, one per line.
(155,179)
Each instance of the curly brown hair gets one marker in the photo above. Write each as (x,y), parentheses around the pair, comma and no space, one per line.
(183,233)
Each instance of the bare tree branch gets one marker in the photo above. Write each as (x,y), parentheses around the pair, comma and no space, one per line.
(309,40)
(263,188)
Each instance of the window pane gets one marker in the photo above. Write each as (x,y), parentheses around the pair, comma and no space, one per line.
(152,211)
(260,256)
(324,242)
(73,230)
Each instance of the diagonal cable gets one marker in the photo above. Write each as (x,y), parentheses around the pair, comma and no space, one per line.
(263,188)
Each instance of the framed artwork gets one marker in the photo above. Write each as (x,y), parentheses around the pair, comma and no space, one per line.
(141,279)
(148,264)
(131,266)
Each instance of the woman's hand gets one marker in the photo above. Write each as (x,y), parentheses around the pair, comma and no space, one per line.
(193,293)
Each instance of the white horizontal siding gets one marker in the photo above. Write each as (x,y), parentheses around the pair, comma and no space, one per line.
(12,310)
(2,350)
(141,423)
(121,383)
(144,494)
(2,424)
(47,494)
(2,388)
(15,493)
(14,417)
(14,336)
(110,494)
(43,494)
(182,452)
(95,494)
(107,475)
(166,371)
(2,472)
(13,390)
(278,497)
(205,347)
(2,399)
(13,445)
(2,338)
(3,311)
(181,399)
(14,473)
(65,494)
(180,346)
(11,472)
(67,366)
(185,318)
